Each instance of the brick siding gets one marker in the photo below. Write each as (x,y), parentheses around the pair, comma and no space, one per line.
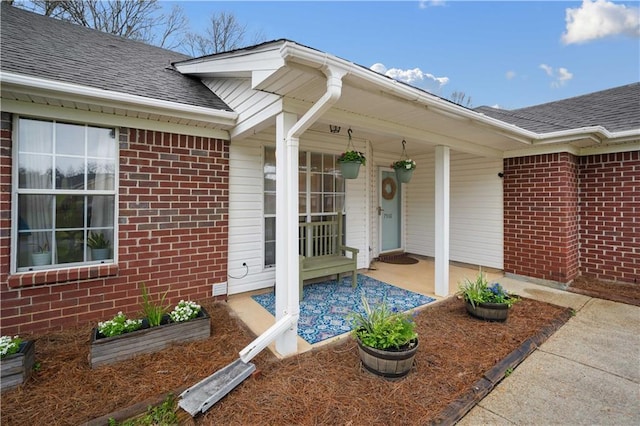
(173,220)
(566,216)
(541,216)
(610,216)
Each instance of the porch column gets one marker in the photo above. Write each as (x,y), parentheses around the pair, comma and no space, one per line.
(442,167)
(286,230)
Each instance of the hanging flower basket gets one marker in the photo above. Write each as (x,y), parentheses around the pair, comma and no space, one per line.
(350,161)
(404,175)
(404,167)
(350,169)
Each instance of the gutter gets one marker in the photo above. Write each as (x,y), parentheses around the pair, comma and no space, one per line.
(121,100)
(296,53)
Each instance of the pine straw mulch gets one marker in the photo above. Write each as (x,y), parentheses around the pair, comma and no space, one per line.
(323,386)
(618,292)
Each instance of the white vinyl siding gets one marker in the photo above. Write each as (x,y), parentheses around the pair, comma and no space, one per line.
(246,219)
(476,230)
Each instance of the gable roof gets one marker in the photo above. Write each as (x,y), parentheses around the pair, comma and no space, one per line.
(616,109)
(39,46)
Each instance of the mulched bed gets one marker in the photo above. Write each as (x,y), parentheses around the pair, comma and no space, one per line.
(614,291)
(323,386)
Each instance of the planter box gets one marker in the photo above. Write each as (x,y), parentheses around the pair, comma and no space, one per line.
(17,368)
(108,350)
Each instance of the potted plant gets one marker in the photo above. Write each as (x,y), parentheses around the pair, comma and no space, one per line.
(41,255)
(405,166)
(121,338)
(387,341)
(484,301)
(404,169)
(349,162)
(17,358)
(99,245)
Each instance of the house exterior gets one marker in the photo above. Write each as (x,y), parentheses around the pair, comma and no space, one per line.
(198,171)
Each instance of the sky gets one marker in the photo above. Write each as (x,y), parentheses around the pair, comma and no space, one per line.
(502,54)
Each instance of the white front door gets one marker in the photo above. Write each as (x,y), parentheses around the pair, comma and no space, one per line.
(389,211)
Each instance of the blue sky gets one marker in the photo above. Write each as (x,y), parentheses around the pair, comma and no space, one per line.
(505,54)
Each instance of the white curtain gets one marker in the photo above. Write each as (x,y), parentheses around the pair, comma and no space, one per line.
(35,172)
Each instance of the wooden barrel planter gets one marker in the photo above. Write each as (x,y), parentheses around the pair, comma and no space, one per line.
(17,368)
(107,350)
(488,311)
(385,363)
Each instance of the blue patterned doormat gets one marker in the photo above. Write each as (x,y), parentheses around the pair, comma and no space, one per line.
(326,304)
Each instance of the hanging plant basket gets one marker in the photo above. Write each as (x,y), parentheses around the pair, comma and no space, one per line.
(350,169)
(404,167)
(350,161)
(404,175)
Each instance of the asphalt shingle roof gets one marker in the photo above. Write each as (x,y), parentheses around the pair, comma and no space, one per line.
(615,109)
(39,46)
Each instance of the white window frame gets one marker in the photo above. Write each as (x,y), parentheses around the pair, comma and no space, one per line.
(307,215)
(16,191)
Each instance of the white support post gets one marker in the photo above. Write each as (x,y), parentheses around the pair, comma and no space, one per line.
(287,298)
(442,178)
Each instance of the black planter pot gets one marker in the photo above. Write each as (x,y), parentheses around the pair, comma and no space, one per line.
(390,364)
(488,311)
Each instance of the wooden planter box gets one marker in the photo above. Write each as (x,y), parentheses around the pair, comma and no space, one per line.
(108,350)
(17,368)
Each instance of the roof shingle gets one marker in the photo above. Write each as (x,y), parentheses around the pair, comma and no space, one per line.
(39,46)
(615,109)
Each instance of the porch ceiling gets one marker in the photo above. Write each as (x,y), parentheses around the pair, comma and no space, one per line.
(386,119)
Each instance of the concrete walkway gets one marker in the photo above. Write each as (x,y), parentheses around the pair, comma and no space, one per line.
(587,373)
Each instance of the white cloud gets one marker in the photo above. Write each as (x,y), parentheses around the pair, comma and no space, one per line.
(547,69)
(426,3)
(599,19)
(496,106)
(415,77)
(560,76)
(510,75)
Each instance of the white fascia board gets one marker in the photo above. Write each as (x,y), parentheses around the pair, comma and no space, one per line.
(76,93)
(102,119)
(566,147)
(315,59)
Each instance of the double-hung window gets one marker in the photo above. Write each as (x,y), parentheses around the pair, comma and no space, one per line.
(64,194)
(320,197)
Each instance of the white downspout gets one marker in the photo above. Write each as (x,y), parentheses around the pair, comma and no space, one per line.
(285,330)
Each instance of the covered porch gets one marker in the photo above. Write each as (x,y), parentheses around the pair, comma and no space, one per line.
(409,277)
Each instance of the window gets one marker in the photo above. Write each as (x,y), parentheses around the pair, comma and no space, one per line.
(321,193)
(65,193)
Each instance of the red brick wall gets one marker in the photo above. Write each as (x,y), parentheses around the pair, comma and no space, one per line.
(610,216)
(172,236)
(567,216)
(541,216)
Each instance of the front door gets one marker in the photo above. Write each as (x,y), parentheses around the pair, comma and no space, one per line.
(389,211)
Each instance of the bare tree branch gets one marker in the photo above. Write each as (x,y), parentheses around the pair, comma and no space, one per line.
(141,20)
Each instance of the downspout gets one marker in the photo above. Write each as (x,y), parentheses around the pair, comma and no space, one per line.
(289,320)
